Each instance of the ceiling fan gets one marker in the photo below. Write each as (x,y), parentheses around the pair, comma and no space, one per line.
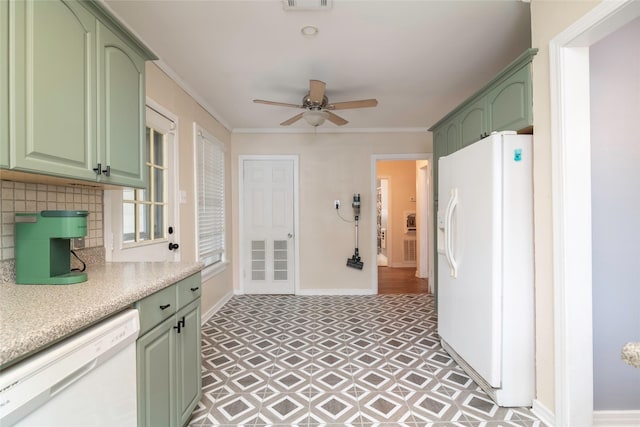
(317,106)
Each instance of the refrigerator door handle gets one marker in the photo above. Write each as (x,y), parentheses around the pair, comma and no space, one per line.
(448,240)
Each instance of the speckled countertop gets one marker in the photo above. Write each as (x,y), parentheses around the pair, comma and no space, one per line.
(35,316)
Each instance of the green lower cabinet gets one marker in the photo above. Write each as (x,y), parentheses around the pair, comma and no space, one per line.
(156,353)
(188,350)
(169,355)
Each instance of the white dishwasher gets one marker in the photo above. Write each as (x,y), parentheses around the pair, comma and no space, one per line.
(88,379)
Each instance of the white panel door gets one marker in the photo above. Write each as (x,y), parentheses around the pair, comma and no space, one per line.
(268,227)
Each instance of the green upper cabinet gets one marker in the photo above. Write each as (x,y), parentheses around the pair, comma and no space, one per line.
(474,122)
(77,109)
(510,101)
(121,111)
(53,64)
(4,83)
(452,132)
(505,103)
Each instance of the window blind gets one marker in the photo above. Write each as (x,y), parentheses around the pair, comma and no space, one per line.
(211,203)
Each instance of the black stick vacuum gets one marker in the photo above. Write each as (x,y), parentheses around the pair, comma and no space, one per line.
(354,261)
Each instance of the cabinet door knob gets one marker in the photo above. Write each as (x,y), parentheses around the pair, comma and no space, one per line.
(98,169)
(177,327)
(195,289)
(164,307)
(107,171)
(173,246)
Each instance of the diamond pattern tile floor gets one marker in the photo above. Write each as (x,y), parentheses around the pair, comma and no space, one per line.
(283,360)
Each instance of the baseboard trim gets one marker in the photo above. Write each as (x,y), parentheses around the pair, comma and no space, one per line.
(544,413)
(616,418)
(213,310)
(308,292)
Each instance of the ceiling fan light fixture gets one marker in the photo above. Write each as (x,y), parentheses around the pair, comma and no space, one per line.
(315,117)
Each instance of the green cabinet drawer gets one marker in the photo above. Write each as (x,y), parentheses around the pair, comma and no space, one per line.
(156,307)
(189,289)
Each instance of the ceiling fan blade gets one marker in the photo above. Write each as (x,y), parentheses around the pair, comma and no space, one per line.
(292,120)
(353,104)
(336,120)
(281,104)
(316,91)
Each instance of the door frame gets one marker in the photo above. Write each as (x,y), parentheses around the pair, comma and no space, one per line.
(296,218)
(373,194)
(424,210)
(571,200)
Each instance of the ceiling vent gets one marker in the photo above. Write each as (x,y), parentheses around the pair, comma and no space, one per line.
(307,4)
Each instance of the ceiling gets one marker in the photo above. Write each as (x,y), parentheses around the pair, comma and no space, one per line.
(418,58)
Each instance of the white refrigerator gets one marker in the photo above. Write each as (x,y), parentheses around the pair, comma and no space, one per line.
(485,264)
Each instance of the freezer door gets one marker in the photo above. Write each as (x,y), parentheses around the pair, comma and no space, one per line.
(469,291)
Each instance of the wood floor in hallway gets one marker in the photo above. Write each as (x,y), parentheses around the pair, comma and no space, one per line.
(401,281)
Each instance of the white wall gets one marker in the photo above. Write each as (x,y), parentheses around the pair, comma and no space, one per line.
(162,89)
(332,166)
(615,176)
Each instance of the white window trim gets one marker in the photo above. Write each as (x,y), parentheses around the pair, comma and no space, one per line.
(112,199)
(220,266)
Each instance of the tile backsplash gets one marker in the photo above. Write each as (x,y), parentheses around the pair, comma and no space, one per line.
(28,197)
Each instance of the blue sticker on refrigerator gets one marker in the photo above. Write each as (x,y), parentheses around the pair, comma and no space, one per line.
(517,154)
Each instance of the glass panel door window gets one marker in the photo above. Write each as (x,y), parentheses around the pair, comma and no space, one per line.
(144,212)
(140,223)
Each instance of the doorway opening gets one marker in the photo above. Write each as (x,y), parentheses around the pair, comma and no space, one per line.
(571,133)
(402,212)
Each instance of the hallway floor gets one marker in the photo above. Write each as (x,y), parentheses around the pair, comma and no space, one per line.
(400,281)
(337,360)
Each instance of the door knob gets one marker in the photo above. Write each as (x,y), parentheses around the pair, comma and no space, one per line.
(289,235)
(173,246)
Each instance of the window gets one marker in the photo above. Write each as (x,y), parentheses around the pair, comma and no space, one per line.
(210,166)
(144,212)
(140,223)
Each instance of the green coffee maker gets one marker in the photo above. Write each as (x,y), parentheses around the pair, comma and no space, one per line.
(43,247)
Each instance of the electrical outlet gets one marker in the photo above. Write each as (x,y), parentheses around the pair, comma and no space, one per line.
(336,204)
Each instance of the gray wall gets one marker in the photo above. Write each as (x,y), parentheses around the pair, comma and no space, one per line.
(615,142)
